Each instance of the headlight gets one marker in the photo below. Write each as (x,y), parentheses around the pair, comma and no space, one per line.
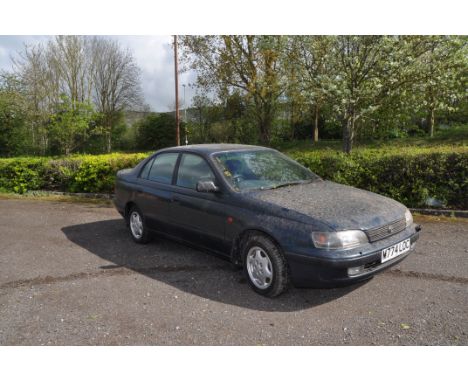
(339,240)
(408,218)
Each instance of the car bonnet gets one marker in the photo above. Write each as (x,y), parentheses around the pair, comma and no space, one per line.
(339,206)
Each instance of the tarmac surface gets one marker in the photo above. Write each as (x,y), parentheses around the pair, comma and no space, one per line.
(71,275)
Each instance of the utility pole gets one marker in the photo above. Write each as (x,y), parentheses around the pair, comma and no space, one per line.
(185,118)
(176,73)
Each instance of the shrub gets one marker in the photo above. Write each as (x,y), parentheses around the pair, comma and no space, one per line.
(78,173)
(21,174)
(97,173)
(410,175)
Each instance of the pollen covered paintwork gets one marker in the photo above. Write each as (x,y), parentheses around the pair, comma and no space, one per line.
(339,206)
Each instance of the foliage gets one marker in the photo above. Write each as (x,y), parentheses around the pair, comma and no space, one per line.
(69,125)
(215,123)
(97,173)
(21,174)
(356,87)
(77,173)
(79,94)
(249,64)
(13,134)
(156,131)
(410,175)
(310,77)
(75,73)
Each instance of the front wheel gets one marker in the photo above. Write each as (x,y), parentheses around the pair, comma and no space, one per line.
(265,266)
(137,226)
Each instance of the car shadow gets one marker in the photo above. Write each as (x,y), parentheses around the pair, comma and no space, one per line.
(187,269)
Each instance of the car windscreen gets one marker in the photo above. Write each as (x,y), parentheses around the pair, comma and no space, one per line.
(261,169)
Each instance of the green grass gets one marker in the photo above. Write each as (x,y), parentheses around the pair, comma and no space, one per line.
(454,139)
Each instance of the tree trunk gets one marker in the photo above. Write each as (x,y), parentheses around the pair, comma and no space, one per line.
(109,142)
(316,123)
(265,127)
(348,132)
(108,122)
(431,121)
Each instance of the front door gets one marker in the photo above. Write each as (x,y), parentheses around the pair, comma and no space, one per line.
(198,217)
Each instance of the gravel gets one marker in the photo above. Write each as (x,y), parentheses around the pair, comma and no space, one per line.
(70,275)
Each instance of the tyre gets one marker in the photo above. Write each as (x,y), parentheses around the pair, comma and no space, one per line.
(137,226)
(265,266)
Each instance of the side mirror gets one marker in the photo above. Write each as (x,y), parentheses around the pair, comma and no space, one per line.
(206,186)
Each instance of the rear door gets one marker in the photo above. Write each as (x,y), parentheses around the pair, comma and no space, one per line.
(154,194)
(198,217)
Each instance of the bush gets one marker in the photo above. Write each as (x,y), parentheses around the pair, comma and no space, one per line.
(156,131)
(78,173)
(410,175)
(21,174)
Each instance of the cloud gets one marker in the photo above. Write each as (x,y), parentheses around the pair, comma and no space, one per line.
(153,54)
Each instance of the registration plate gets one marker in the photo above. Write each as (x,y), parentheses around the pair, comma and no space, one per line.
(396,250)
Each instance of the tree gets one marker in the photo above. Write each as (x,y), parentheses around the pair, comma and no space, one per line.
(31,70)
(442,70)
(251,64)
(369,71)
(203,112)
(155,131)
(69,65)
(13,133)
(116,82)
(69,125)
(84,70)
(310,69)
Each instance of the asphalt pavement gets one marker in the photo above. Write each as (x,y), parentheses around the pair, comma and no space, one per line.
(71,275)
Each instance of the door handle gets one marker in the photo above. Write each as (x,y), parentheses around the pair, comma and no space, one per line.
(139,191)
(175,199)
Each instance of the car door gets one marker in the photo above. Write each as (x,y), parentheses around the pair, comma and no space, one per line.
(154,192)
(198,217)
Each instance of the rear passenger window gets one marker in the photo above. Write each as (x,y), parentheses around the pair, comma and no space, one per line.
(145,172)
(193,168)
(163,168)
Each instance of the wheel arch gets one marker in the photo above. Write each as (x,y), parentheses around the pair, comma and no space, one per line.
(236,256)
(128,207)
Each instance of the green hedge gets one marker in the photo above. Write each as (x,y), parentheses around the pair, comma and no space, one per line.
(408,175)
(79,173)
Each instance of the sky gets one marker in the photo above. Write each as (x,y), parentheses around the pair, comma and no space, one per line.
(153,55)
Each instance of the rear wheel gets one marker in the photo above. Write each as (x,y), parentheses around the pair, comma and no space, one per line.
(265,266)
(137,226)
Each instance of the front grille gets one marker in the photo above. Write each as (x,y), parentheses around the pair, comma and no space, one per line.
(387,230)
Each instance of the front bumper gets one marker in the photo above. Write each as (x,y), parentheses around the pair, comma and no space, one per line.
(313,270)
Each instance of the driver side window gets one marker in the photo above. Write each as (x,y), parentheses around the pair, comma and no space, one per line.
(192,169)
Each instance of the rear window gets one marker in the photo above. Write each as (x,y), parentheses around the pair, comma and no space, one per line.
(145,172)
(163,168)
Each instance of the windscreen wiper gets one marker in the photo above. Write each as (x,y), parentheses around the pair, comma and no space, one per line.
(288,184)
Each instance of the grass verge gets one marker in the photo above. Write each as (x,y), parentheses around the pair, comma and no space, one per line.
(56,198)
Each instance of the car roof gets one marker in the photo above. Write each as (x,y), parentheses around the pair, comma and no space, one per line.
(209,148)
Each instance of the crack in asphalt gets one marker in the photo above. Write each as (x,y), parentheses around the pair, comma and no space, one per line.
(107,271)
(426,276)
(123,270)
